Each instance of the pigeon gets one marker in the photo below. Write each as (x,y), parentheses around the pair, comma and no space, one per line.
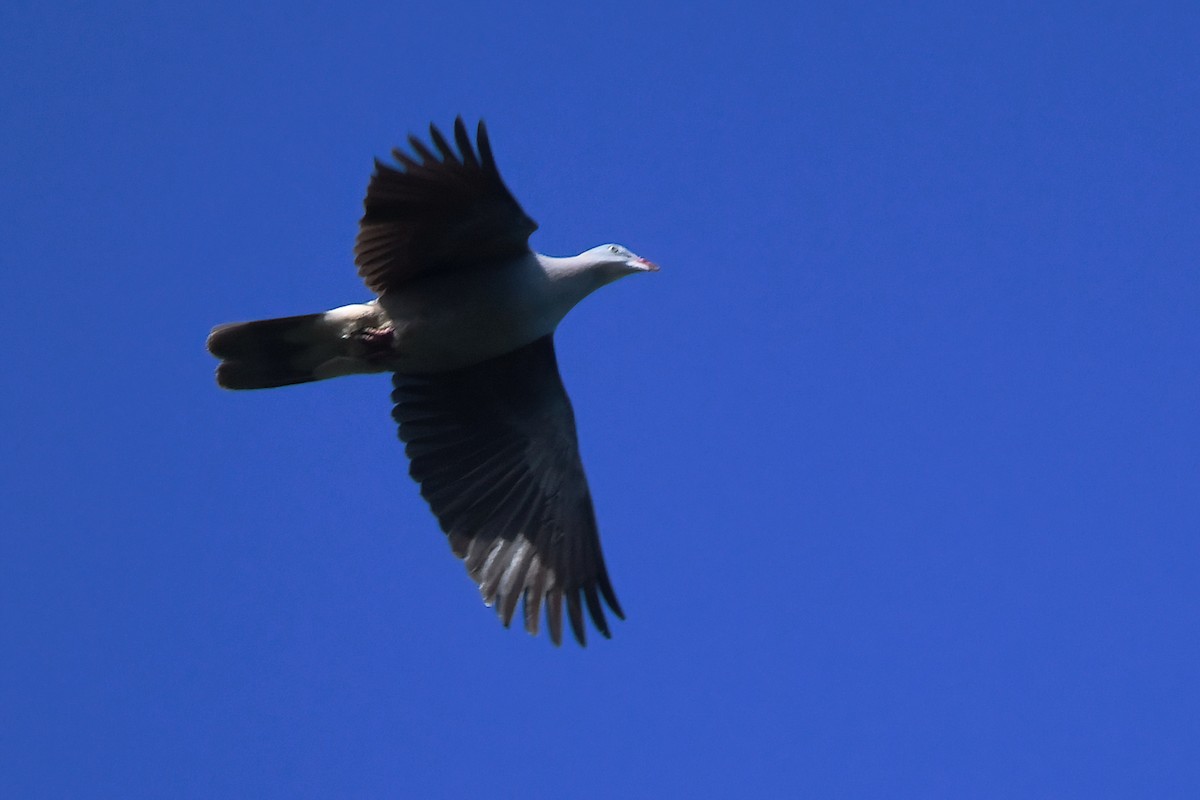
(464,318)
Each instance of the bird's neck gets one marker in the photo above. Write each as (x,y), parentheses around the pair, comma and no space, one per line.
(571,279)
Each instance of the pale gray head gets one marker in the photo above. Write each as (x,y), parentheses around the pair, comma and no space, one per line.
(616,261)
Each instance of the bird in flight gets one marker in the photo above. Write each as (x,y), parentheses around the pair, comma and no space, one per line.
(464,318)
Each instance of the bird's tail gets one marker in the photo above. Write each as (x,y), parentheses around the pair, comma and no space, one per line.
(280,352)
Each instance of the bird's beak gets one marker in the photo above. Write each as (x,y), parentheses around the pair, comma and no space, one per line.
(643,264)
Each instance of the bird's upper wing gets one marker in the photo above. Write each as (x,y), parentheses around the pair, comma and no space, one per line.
(438,211)
(494,449)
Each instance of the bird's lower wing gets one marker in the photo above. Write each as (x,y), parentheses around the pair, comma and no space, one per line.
(494,449)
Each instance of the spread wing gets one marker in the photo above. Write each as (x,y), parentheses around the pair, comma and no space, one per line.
(494,449)
(438,211)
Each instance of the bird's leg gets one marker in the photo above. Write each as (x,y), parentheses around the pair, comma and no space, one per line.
(372,344)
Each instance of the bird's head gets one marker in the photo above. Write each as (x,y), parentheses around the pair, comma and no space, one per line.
(617,261)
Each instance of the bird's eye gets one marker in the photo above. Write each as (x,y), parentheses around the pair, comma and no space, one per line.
(612,248)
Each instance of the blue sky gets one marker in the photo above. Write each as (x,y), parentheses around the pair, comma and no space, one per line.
(896,461)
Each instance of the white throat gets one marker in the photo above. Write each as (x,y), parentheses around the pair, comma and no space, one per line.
(571,279)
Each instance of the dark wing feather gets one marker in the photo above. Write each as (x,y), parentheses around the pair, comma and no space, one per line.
(494,449)
(439,211)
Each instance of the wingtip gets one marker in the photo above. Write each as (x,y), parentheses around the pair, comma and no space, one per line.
(596,611)
(610,597)
(554,615)
(441,143)
(464,143)
(422,152)
(484,144)
(575,616)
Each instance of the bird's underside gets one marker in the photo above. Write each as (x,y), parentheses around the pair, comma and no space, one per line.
(481,408)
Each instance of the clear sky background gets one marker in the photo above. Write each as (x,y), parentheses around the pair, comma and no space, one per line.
(896,461)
